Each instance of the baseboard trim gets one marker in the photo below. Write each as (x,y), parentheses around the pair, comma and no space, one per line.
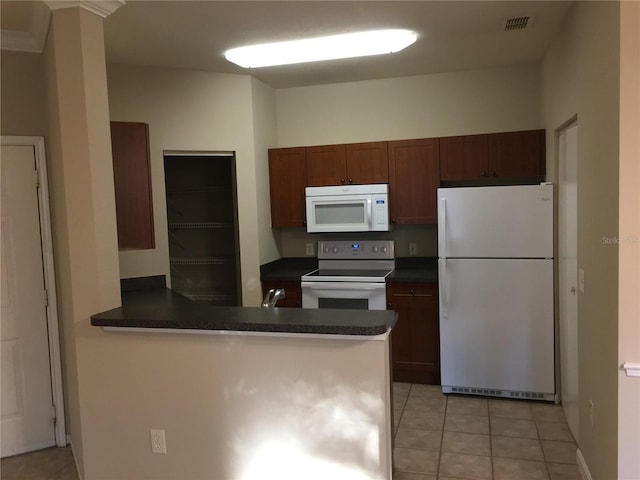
(582,466)
(75,461)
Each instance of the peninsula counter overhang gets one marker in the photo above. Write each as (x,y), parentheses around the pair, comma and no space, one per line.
(162,308)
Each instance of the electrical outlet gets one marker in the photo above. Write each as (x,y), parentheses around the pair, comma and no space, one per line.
(413,249)
(591,412)
(158,444)
(309,250)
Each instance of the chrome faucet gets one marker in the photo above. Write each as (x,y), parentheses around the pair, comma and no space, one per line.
(272,297)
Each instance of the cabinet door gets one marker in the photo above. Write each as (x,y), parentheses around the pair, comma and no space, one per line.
(415,340)
(287,179)
(367,163)
(326,165)
(464,157)
(517,154)
(132,183)
(292,292)
(413,181)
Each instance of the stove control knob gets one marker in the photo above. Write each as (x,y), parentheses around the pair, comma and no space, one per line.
(325,249)
(374,249)
(334,249)
(384,249)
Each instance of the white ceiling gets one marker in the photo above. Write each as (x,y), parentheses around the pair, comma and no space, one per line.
(452,35)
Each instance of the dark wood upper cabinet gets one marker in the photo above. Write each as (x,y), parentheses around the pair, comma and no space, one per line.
(413,181)
(510,156)
(350,164)
(517,154)
(464,158)
(367,163)
(326,165)
(287,179)
(132,182)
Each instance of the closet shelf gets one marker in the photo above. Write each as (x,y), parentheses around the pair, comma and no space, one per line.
(201,260)
(182,191)
(184,225)
(212,296)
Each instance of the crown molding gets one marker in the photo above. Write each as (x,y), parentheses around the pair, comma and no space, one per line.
(32,41)
(103,8)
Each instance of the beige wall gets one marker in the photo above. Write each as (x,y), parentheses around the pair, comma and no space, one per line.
(264,137)
(580,76)
(629,248)
(457,103)
(192,110)
(23,93)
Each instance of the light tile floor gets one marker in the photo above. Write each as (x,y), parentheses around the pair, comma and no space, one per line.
(447,437)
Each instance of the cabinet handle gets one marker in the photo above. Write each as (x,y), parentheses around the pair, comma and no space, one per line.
(412,291)
(342,180)
(492,173)
(413,294)
(393,220)
(390,305)
(484,174)
(351,180)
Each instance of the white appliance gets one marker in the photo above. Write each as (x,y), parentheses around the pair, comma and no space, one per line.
(495,247)
(350,274)
(348,208)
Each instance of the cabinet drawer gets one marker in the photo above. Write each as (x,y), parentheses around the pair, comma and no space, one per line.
(411,294)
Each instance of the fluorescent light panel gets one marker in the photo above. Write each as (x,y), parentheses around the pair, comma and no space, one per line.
(359,44)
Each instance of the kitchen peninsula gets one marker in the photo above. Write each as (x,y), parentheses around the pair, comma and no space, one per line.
(241,392)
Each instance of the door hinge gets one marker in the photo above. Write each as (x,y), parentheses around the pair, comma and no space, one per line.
(46,298)
(37,175)
(54,417)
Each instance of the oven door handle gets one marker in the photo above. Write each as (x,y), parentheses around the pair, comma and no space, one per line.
(342,285)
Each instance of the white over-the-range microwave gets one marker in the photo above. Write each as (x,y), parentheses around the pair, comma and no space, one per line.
(348,208)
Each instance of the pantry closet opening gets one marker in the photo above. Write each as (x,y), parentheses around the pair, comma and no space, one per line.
(202,220)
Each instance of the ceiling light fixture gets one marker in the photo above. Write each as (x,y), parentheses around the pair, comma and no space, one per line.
(359,44)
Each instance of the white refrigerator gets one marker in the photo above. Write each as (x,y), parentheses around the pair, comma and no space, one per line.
(496,285)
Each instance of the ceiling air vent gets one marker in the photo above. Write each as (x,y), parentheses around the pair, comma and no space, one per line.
(516,23)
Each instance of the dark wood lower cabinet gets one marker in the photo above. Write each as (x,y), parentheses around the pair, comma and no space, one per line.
(415,340)
(292,292)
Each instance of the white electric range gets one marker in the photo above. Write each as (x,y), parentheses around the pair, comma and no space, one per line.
(350,274)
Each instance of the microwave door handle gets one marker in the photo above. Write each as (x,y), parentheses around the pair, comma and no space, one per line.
(368,215)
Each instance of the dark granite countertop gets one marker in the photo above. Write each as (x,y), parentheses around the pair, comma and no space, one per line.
(290,268)
(415,269)
(162,308)
(408,269)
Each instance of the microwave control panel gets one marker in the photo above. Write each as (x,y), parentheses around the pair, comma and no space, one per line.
(358,249)
(380,212)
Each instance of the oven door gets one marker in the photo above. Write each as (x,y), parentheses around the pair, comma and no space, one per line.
(351,295)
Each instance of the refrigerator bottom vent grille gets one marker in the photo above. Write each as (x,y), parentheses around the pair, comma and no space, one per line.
(498,393)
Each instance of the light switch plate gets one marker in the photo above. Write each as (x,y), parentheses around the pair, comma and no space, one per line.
(413,249)
(581,280)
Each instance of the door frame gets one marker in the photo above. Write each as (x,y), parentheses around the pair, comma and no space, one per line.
(571,122)
(46,239)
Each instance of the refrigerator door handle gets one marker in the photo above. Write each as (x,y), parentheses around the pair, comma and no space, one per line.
(443,289)
(443,222)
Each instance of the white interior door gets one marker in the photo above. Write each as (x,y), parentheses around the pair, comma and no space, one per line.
(27,412)
(568,273)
